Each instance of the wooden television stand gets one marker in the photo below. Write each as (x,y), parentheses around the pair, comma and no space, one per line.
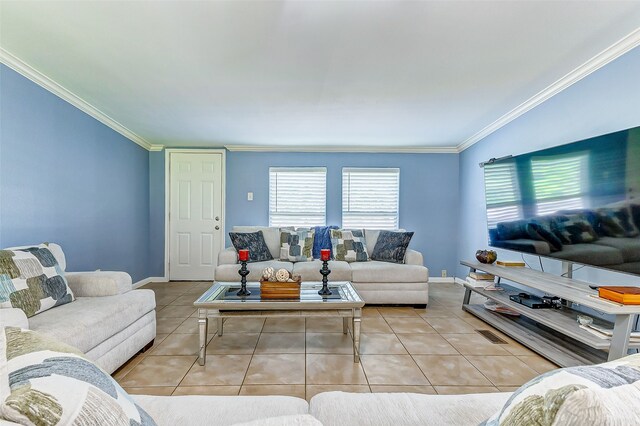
(554,333)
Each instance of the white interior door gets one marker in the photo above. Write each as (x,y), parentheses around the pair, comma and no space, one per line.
(195,214)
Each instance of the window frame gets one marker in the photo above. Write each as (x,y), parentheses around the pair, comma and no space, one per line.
(272,213)
(346,198)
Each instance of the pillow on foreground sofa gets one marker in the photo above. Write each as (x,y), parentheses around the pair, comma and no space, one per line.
(107,321)
(375,281)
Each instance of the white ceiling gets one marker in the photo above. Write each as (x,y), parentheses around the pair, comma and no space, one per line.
(309,73)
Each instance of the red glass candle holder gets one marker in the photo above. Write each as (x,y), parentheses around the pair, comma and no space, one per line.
(243,255)
(325,254)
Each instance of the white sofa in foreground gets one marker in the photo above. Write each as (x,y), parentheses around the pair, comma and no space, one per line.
(108,321)
(376,282)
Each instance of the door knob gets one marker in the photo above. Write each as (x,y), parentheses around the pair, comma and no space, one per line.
(217,227)
(217,218)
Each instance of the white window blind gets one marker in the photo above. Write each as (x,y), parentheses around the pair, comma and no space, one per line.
(297,196)
(559,183)
(502,192)
(370,198)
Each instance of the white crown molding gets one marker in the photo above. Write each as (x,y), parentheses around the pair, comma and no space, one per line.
(155,147)
(62,92)
(611,53)
(379,149)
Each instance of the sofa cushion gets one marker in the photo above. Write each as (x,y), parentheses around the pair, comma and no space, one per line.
(385,272)
(391,246)
(541,400)
(310,271)
(89,321)
(218,410)
(54,384)
(628,247)
(296,246)
(254,242)
(296,420)
(404,409)
(31,280)
(271,236)
(230,272)
(594,254)
(349,245)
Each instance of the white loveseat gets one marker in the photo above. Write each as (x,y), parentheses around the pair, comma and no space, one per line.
(376,282)
(108,321)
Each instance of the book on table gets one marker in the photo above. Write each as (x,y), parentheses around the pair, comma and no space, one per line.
(620,294)
(511,263)
(482,276)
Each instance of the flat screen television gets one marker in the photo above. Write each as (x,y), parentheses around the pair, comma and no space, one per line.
(578,202)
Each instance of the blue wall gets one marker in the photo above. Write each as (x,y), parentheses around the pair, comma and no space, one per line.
(428,195)
(605,101)
(67,178)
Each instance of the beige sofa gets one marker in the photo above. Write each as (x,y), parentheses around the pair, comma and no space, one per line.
(108,321)
(376,282)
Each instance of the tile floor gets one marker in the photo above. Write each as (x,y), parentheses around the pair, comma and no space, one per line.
(432,350)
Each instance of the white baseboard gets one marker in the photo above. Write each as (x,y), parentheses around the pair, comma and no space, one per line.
(149,280)
(441,280)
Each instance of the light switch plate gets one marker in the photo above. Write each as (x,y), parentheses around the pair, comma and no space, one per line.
(249,196)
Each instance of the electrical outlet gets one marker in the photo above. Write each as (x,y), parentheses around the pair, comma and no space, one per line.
(444,273)
(249,196)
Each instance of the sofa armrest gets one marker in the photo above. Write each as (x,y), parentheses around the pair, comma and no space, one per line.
(98,283)
(413,257)
(228,256)
(13,317)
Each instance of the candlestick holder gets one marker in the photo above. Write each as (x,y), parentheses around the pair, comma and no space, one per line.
(243,279)
(325,271)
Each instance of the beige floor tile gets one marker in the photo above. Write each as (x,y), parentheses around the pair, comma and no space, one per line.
(276,369)
(429,390)
(515,348)
(450,325)
(156,342)
(186,300)
(167,325)
(233,343)
(436,311)
(326,369)
(536,362)
(394,311)
(218,370)
(392,370)
(375,325)
(207,390)
(329,343)
(158,371)
(503,370)
(409,325)
(284,325)
(324,325)
(165,299)
(381,344)
(508,388)
(474,344)
(313,390)
(176,311)
(445,370)
(370,312)
(287,390)
(463,390)
(178,344)
(243,325)
(190,326)
(127,367)
(426,344)
(281,343)
(151,390)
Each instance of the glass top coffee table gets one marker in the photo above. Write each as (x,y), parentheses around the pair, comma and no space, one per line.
(221,302)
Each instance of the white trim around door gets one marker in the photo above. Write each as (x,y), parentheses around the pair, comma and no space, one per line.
(167,198)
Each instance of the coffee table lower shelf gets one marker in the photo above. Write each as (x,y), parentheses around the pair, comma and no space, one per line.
(556,347)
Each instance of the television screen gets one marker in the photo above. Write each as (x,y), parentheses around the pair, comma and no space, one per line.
(578,202)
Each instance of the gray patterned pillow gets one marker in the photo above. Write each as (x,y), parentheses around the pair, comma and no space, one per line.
(391,246)
(254,242)
(349,245)
(296,246)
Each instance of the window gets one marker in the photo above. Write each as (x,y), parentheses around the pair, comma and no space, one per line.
(502,192)
(297,196)
(559,183)
(370,198)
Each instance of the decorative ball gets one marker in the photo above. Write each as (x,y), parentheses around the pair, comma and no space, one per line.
(268,273)
(486,256)
(282,275)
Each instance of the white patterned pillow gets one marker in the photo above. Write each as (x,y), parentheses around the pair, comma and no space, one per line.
(349,245)
(565,396)
(32,280)
(46,382)
(296,246)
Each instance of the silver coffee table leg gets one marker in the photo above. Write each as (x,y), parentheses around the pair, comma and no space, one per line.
(345,325)
(203,325)
(357,314)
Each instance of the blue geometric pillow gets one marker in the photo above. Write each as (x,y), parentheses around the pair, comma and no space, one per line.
(391,246)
